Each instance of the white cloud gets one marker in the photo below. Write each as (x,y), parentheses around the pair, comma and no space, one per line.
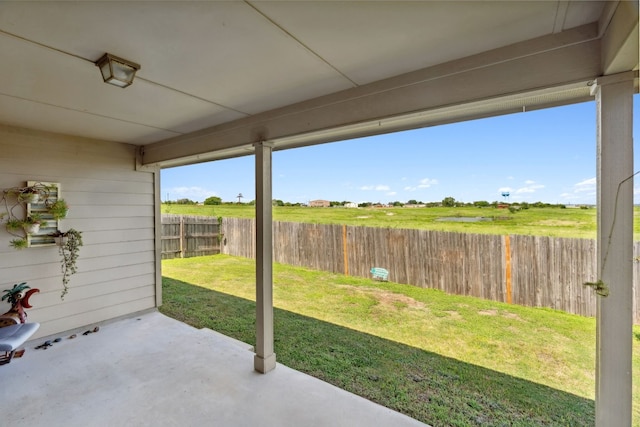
(194,193)
(586,185)
(529,182)
(505,189)
(426,183)
(375,187)
(529,189)
(583,192)
(423,183)
(391,193)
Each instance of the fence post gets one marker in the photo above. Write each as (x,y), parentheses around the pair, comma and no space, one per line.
(507,266)
(344,249)
(182,249)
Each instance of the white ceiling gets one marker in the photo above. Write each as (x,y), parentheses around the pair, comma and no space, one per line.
(207,63)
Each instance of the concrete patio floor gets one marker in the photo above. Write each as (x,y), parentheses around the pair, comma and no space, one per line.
(151,370)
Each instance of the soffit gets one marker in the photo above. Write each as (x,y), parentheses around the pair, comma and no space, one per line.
(212,63)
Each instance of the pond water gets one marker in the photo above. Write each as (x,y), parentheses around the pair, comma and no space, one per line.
(465,219)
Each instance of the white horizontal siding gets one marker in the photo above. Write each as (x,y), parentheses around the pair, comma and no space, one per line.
(110,202)
(78,320)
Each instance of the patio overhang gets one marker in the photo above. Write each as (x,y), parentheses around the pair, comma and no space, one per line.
(269,76)
(549,71)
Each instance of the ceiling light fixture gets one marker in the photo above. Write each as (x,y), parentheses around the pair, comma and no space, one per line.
(117,71)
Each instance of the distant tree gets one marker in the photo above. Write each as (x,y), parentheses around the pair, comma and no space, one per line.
(412,202)
(336,203)
(364,204)
(186,202)
(276,202)
(448,202)
(213,200)
(540,205)
(397,204)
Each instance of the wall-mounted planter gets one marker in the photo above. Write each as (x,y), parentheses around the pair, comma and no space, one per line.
(60,240)
(31,228)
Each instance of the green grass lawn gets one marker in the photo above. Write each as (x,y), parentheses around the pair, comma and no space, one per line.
(552,222)
(442,359)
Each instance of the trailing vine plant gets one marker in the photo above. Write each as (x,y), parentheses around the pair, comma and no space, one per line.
(68,248)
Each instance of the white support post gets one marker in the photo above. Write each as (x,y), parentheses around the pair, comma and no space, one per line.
(265,358)
(614,99)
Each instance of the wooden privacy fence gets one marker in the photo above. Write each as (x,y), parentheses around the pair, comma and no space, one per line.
(187,236)
(526,270)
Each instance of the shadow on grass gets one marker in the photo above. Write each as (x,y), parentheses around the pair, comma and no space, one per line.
(426,386)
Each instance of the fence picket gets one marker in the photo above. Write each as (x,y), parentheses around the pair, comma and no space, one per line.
(545,271)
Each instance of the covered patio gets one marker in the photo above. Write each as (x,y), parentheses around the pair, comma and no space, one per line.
(236,78)
(151,370)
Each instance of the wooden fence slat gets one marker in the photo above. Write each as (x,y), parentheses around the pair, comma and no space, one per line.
(185,236)
(545,271)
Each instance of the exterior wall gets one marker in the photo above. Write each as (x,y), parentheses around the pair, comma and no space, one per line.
(319,203)
(110,202)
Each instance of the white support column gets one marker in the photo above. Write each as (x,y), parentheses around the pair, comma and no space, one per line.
(265,358)
(614,99)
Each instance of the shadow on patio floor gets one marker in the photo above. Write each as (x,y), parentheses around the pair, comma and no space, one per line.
(152,370)
(424,385)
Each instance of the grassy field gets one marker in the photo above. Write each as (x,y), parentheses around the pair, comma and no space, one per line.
(554,222)
(445,360)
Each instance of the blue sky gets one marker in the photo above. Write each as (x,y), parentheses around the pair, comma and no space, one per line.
(547,155)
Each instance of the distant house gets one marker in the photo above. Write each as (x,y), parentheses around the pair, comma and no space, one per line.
(350,205)
(319,203)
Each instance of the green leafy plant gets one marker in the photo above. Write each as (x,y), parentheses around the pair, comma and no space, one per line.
(59,209)
(34,218)
(11,295)
(68,248)
(19,243)
(599,287)
(13,224)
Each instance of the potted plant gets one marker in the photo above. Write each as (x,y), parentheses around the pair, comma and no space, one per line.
(58,209)
(31,224)
(30,195)
(14,294)
(18,297)
(68,248)
(19,243)
(59,237)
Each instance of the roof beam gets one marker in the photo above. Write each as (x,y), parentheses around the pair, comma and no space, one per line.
(553,60)
(620,40)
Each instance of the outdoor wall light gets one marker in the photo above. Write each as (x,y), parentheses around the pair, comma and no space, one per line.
(117,71)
